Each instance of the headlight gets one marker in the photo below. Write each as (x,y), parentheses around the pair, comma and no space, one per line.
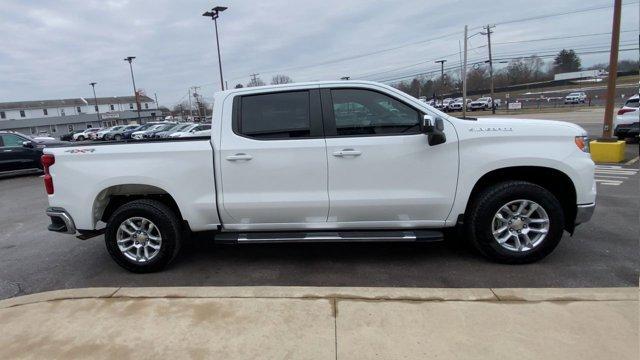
(582,142)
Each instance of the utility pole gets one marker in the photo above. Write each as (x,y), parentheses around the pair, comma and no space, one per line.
(464,75)
(95,99)
(190,107)
(613,71)
(214,14)
(441,74)
(488,33)
(129,59)
(155,96)
(197,97)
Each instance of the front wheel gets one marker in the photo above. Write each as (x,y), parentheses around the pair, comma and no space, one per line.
(80,138)
(117,137)
(143,236)
(515,222)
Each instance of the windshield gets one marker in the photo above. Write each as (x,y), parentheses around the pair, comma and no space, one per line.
(484,99)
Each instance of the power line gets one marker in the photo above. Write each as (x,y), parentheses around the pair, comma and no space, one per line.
(557,38)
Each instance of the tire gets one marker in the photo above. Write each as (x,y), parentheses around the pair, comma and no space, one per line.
(481,221)
(117,137)
(167,227)
(80,138)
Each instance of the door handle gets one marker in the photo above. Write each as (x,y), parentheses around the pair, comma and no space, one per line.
(347,152)
(239,156)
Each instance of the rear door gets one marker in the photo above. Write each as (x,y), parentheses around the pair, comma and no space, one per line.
(273,162)
(382,171)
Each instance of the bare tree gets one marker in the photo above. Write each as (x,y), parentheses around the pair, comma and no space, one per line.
(281,79)
(256,81)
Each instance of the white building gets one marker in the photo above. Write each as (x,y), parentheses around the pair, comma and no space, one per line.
(59,117)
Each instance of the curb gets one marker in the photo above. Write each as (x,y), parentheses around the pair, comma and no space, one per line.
(336,293)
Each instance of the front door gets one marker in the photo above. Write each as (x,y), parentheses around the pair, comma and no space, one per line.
(382,171)
(273,163)
(14,156)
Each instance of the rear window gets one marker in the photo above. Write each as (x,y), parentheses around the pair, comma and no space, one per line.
(631,103)
(275,116)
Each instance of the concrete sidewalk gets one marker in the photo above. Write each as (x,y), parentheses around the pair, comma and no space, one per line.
(322,323)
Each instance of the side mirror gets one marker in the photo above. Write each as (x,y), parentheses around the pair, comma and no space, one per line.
(434,129)
(28,144)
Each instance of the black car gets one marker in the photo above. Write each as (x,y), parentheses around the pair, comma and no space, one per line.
(19,152)
(69,136)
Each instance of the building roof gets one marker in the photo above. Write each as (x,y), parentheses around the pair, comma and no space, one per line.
(72,119)
(39,104)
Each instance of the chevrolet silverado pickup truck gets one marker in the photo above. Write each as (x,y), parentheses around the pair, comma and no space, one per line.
(343,161)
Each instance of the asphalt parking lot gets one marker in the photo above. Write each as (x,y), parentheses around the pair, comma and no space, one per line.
(602,253)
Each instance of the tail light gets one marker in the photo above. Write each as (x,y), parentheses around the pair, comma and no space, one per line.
(624,111)
(47,160)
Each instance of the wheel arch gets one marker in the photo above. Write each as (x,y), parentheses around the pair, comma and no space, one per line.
(554,180)
(112,197)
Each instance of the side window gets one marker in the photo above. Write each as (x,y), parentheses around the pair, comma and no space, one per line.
(11,140)
(275,116)
(366,112)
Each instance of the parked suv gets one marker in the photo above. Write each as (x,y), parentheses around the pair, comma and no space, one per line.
(626,123)
(118,134)
(85,135)
(575,98)
(483,103)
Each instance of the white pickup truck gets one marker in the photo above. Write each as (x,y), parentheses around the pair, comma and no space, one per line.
(328,162)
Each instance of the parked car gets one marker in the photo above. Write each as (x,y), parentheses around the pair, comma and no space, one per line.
(575,98)
(69,136)
(84,135)
(457,105)
(284,172)
(193,131)
(128,134)
(100,134)
(173,129)
(625,124)
(483,103)
(21,152)
(151,133)
(118,134)
(139,134)
(444,105)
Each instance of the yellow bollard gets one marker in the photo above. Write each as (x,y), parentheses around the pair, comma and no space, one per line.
(607,151)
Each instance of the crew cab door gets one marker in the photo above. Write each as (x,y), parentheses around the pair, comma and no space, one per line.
(382,171)
(273,162)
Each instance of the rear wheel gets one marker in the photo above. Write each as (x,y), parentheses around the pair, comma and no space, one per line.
(117,137)
(143,236)
(80,138)
(515,222)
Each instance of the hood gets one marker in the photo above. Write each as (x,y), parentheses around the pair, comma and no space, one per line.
(517,126)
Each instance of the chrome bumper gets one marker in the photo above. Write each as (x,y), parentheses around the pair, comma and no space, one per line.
(584,213)
(61,221)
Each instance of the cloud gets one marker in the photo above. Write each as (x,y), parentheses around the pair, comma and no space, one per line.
(53,49)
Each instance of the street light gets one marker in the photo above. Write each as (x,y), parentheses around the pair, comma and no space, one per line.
(214,14)
(95,99)
(129,59)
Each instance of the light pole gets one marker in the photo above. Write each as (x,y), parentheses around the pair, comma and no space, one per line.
(214,14)
(488,33)
(129,59)
(95,99)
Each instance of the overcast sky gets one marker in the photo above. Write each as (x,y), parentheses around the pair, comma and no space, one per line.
(53,49)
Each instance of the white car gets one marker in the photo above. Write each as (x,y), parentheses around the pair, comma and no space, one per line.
(276,170)
(139,135)
(575,98)
(192,131)
(626,122)
(457,105)
(483,103)
(85,134)
(99,135)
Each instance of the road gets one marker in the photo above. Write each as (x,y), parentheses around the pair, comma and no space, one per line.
(603,252)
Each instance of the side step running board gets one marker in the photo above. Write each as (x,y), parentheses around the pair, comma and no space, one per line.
(330,236)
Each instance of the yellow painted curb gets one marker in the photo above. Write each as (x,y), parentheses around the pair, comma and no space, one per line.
(607,152)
